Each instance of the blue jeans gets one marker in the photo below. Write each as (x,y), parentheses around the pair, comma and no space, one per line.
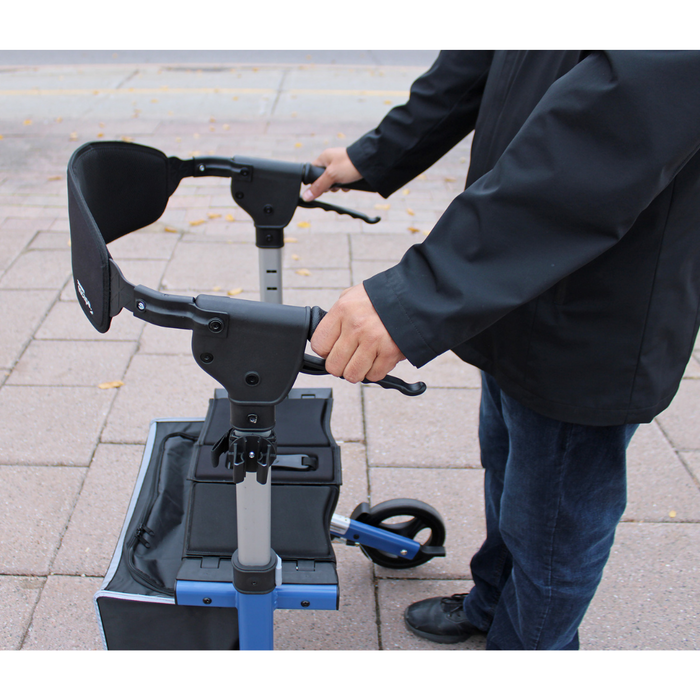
(554,494)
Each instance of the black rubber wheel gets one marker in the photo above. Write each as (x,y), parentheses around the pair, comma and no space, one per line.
(416,517)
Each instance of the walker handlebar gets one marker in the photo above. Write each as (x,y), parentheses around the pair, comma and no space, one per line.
(311,173)
(314,365)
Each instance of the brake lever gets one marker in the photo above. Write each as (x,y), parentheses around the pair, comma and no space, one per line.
(317,366)
(316,204)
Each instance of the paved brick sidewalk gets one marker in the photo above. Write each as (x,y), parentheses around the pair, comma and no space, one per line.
(70,450)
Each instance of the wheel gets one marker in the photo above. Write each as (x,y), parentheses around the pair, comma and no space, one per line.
(406,517)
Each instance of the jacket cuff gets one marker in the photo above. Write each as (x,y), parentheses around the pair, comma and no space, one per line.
(384,291)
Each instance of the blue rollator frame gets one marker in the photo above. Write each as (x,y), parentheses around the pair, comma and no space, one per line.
(255,610)
(238,343)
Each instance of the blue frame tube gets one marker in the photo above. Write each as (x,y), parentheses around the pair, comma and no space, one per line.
(285,597)
(375,537)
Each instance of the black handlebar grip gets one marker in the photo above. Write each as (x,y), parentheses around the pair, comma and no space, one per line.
(317,314)
(311,173)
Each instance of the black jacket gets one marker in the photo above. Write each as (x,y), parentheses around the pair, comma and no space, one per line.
(569,268)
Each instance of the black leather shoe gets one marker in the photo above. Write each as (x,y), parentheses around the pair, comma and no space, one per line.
(440,620)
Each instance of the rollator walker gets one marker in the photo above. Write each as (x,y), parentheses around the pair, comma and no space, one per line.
(232,515)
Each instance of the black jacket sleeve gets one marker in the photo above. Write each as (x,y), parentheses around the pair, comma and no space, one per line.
(442,109)
(603,142)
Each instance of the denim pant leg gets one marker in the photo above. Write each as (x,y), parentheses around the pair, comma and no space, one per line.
(554,494)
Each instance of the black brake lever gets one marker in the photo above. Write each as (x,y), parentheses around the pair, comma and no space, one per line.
(316,204)
(317,366)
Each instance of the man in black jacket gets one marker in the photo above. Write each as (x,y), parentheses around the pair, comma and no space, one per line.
(568,272)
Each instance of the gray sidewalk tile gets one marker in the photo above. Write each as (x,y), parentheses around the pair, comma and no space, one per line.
(18,597)
(692,460)
(659,485)
(20,314)
(385,246)
(65,616)
(53,425)
(37,503)
(396,596)
(96,522)
(11,246)
(648,596)
(66,321)
(436,429)
(681,419)
(157,386)
(457,495)
(38,269)
(204,266)
(71,363)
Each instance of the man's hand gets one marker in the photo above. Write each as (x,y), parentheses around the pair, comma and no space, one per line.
(353,340)
(339,171)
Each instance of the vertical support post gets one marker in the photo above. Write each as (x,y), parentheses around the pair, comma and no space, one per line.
(253,519)
(270,269)
(255,622)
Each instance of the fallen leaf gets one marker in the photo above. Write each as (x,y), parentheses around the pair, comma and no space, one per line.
(170,229)
(27,122)
(226,127)
(216,289)
(212,120)
(450,179)
(213,216)
(101,125)
(297,144)
(110,385)
(59,119)
(196,222)
(100,135)
(672,514)
(304,224)
(387,102)
(382,206)
(406,192)
(290,240)
(295,257)
(411,212)
(1,137)
(230,217)
(73,136)
(341,135)
(53,177)
(413,229)
(303,272)
(234,292)
(127,139)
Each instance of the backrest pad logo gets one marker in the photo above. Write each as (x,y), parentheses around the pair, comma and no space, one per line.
(81,291)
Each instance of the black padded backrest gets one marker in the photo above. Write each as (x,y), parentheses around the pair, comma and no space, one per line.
(114,188)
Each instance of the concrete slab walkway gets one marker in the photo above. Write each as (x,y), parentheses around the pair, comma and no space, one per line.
(70,450)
